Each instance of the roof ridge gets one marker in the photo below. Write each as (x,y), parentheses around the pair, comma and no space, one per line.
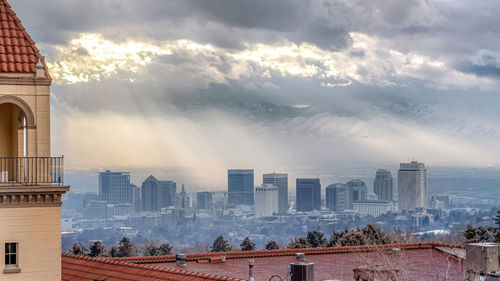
(149,267)
(288,252)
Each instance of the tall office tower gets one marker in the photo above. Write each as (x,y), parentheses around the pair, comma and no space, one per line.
(281,182)
(331,197)
(149,194)
(168,193)
(136,191)
(358,189)
(182,199)
(240,187)
(412,186)
(156,194)
(383,185)
(204,200)
(338,197)
(266,200)
(114,187)
(31,181)
(308,194)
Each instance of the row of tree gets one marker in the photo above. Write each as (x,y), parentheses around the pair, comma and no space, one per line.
(483,233)
(124,248)
(369,235)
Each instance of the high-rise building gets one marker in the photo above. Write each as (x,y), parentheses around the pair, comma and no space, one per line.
(358,189)
(114,187)
(412,186)
(281,182)
(156,194)
(182,199)
(383,185)
(204,200)
(31,181)
(137,202)
(240,186)
(266,200)
(308,195)
(168,193)
(338,197)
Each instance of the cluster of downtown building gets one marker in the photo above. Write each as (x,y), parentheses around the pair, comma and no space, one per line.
(159,210)
(272,196)
(117,196)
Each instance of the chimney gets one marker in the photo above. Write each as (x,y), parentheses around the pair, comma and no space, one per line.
(250,270)
(302,271)
(181,259)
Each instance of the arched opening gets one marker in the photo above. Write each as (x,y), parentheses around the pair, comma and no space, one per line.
(12,130)
(15,118)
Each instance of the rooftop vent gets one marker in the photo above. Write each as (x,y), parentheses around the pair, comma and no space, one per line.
(181,259)
(302,271)
(396,251)
(220,259)
(301,256)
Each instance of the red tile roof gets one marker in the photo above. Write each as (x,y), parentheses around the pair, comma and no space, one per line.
(428,261)
(290,252)
(81,268)
(18,53)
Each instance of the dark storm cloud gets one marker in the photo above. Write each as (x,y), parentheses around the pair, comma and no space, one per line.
(62,18)
(484,64)
(439,26)
(491,70)
(226,23)
(278,15)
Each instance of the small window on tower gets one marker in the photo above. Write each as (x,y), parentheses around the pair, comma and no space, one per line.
(11,257)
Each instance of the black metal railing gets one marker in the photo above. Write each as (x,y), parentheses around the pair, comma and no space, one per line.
(32,170)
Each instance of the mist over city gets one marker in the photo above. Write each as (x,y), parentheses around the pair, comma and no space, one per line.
(186,133)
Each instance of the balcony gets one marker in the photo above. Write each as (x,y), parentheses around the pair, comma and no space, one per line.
(31,171)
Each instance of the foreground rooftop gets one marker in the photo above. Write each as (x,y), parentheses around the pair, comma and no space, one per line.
(416,261)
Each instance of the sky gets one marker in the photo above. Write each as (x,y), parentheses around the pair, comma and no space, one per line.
(207,85)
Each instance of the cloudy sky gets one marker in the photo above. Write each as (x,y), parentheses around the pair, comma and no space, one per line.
(206,85)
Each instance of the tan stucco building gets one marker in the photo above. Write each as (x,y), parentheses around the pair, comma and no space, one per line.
(31,181)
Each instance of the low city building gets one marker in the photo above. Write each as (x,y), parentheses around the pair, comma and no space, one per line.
(373,208)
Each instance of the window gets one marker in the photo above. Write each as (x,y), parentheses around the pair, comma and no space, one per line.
(11,258)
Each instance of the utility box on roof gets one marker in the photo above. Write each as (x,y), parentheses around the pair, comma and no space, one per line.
(482,257)
(302,271)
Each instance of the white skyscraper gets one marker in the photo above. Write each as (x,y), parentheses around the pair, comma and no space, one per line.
(266,200)
(412,186)
(280,181)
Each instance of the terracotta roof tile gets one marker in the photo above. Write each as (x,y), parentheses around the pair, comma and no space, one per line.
(85,268)
(15,43)
(426,260)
